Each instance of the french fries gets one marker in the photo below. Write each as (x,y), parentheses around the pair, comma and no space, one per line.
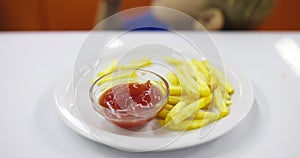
(203,68)
(175,110)
(168,106)
(187,111)
(133,75)
(172,78)
(185,125)
(174,100)
(189,85)
(163,113)
(141,63)
(199,93)
(175,90)
(110,69)
(207,115)
(221,80)
(220,103)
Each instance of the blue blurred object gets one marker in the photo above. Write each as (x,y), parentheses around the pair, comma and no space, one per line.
(145,22)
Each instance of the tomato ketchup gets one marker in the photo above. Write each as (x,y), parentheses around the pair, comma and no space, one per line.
(131,105)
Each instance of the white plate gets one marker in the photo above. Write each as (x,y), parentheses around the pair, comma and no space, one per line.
(242,103)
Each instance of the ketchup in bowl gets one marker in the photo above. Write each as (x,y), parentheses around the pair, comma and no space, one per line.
(129,103)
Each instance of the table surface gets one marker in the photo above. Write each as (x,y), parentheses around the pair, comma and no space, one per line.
(31,62)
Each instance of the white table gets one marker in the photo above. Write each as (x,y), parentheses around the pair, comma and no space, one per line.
(30,63)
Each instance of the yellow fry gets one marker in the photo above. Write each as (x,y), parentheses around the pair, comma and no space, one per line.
(227,96)
(163,113)
(173,61)
(185,125)
(168,106)
(172,78)
(175,90)
(213,81)
(112,67)
(141,62)
(174,99)
(206,107)
(202,102)
(220,103)
(202,67)
(228,102)
(185,112)
(175,110)
(212,116)
(197,73)
(201,87)
(221,79)
(161,122)
(198,124)
(132,75)
(188,83)
(229,87)
(188,110)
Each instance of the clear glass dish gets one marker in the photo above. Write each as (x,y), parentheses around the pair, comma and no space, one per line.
(129,111)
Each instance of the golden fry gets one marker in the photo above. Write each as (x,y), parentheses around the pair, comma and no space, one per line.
(212,116)
(220,103)
(201,87)
(229,87)
(222,80)
(172,78)
(185,125)
(175,90)
(163,113)
(175,110)
(145,62)
(174,99)
(188,110)
(202,102)
(203,68)
(140,63)
(227,96)
(213,81)
(188,83)
(173,61)
(161,122)
(132,75)
(168,106)
(197,73)
(228,102)
(112,67)
(185,112)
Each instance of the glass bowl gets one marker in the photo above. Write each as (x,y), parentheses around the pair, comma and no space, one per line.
(129,98)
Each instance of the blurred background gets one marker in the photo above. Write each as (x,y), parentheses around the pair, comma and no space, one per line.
(23,15)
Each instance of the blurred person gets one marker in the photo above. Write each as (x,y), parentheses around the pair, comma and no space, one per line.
(211,14)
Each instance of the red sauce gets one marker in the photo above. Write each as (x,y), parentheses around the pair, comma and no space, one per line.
(131,105)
